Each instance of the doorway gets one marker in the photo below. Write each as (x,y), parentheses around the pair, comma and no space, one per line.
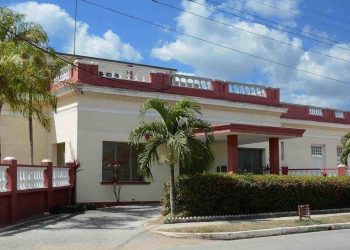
(250,160)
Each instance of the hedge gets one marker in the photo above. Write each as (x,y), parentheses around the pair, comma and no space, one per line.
(213,194)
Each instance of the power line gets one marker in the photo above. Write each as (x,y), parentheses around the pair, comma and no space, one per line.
(307,36)
(248,31)
(213,43)
(303,8)
(51,53)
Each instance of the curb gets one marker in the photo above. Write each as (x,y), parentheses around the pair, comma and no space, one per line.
(33,221)
(257,233)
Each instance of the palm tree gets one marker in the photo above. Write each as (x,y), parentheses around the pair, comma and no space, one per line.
(26,71)
(345,144)
(171,139)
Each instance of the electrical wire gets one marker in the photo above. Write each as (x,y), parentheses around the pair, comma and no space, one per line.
(248,31)
(213,43)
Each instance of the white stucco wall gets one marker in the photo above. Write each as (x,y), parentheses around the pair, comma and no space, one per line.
(84,121)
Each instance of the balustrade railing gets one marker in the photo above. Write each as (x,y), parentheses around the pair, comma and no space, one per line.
(64,74)
(313,172)
(305,172)
(30,177)
(188,81)
(247,89)
(60,177)
(3,178)
(127,72)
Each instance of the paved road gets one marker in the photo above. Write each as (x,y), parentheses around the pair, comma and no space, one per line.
(122,228)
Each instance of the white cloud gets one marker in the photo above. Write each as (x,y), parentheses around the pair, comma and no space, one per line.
(282,9)
(59,24)
(213,61)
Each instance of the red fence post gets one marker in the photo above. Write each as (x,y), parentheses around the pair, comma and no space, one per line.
(341,170)
(48,182)
(284,170)
(12,186)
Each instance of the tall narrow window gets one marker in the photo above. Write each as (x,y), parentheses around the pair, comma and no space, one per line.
(61,150)
(125,155)
(282,151)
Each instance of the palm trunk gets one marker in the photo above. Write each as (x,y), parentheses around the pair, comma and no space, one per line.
(30,121)
(172,189)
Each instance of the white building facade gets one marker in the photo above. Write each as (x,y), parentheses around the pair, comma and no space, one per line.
(98,105)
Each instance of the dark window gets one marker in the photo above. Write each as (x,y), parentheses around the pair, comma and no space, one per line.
(61,148)
(100,73)
(221,169)
(125,155)
(116,75)
(108,74)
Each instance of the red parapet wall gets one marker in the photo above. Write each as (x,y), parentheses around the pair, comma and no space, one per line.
(301,112)
(161,82)
(17,204)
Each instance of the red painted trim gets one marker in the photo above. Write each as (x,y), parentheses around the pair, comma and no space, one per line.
(256,129)
(232,153)
(126,183)
(121,203)
(61,188)
(160,82)
(31,166)
(32,190)
(5,193)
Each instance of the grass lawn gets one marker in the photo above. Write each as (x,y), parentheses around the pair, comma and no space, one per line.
(261,224)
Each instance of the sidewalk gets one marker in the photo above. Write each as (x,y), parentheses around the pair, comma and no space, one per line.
(254,227)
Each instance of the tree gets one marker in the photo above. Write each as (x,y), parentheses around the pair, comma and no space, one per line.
(345,144)
(171,139)
(26,71)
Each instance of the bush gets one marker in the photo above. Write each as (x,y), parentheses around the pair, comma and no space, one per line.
(212,194)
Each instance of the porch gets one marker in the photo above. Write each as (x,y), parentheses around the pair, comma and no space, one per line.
(250,159)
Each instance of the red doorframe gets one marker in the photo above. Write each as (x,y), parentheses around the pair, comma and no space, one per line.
(274,155)
(232,154)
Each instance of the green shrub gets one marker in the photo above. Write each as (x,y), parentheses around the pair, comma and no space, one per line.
(212,194)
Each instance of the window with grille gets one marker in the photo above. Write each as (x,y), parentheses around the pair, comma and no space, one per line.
(315,111)
(339,152)
(317,150)
(125,155)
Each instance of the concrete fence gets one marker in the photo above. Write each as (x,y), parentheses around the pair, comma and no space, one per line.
(29,190)
(341,170)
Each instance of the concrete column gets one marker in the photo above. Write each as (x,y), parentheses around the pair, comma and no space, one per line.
(274,155)
(12,186)
(232,154)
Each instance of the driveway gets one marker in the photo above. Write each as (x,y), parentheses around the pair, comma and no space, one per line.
(107,228)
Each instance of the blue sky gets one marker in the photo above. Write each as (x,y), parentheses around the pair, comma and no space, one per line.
(106,34)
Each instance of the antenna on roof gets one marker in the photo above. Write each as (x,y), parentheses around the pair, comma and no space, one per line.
(75,24)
